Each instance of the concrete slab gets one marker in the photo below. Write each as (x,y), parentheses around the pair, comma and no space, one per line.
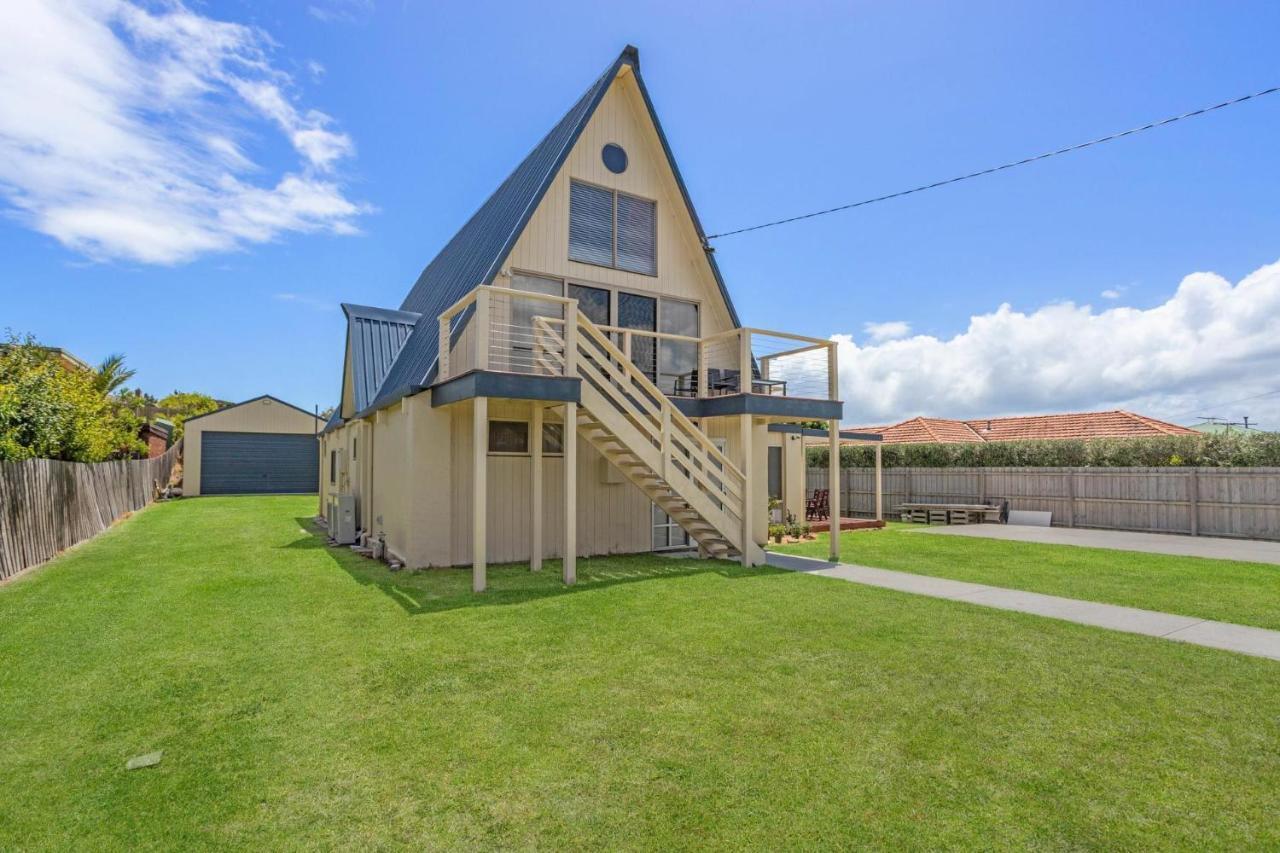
(1211,547)
(1258,642)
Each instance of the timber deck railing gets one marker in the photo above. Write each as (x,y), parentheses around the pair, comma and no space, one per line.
(497,328)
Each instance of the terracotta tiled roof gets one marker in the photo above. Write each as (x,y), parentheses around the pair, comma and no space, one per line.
(1115,424)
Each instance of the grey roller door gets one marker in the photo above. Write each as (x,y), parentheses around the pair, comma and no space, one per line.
(239,463)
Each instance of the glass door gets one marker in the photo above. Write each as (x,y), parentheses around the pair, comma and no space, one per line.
(640,313)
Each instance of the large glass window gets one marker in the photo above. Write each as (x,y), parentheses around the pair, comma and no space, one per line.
(612,229)
(678,360)
(592,301)
(641,313)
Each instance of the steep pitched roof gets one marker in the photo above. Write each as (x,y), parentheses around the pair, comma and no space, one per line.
(375,337)
(1078,425)
(475,254)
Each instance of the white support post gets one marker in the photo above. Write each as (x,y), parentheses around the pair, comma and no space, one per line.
(833,372)
(535,453)
(443,356)
(479,492)
(570,347)
(833,486)
(482,323)
(745,385)
(702,369)
(570,557)
(879,486)
(748,488)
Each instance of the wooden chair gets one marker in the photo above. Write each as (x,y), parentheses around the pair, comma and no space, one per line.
(818,506)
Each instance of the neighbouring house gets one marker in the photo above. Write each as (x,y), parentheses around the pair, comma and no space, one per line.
(570,368)
(1078,425)
(261,446)
(155,434)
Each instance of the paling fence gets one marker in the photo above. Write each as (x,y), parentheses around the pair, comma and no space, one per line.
(46,506)
(1236,502)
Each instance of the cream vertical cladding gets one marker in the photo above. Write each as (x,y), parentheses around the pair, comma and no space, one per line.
(683,270)
(426,472)
(793,474)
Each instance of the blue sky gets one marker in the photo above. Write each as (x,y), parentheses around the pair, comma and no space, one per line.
(369,131)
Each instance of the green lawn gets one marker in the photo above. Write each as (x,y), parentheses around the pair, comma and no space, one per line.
(1247,593)
(306,698)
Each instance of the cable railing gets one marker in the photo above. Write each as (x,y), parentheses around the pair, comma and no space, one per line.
(526,333)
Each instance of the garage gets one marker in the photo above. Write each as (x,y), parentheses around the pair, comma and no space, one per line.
(261,446)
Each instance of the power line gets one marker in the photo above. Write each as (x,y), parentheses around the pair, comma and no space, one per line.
(994,169)
(1229,403)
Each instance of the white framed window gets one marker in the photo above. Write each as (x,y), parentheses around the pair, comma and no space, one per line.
(609,228)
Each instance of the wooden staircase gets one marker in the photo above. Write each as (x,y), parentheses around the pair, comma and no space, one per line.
(625,417)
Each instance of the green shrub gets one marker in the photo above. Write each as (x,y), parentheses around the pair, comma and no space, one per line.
(1203,450)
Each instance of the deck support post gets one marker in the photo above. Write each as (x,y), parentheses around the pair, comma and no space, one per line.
(879,484)
(535,455)
(479,492)
(833,487)
(569,560)
(748,488)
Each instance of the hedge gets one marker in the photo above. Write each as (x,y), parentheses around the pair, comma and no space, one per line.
(1218,450)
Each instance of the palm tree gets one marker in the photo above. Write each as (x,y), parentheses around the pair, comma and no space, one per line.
(112,373)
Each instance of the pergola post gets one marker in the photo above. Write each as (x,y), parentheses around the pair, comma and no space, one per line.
(748,488)
(479,491)
(833,486)
(879,486)
(535,454)
(569,560)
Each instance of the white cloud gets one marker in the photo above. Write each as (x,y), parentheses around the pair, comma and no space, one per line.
(345,11)
(887,331)
(123,132)
(1210,342)
(1111,294)
(306,301)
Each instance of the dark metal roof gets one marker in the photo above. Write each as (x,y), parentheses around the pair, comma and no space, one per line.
(375,337)
(475,254)
(335,421)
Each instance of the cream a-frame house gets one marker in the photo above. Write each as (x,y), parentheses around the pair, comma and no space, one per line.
(570,368)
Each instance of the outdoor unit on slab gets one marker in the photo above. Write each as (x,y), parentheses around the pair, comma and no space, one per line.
(342,528)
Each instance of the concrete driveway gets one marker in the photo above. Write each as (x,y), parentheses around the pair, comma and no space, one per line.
(1248,550)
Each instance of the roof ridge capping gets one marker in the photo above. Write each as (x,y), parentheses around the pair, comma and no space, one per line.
(370,312)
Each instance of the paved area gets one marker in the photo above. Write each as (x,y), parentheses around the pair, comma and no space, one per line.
(1187,629)
(1249,550)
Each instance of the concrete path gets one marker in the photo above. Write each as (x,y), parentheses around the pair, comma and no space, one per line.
(1249,550)
(1187,629)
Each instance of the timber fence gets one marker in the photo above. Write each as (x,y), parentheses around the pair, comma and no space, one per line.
(46,506)
(1237,502)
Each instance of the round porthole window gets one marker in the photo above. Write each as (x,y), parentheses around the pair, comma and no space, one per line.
(615,159)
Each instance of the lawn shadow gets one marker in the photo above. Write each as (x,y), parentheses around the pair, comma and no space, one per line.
(437,590)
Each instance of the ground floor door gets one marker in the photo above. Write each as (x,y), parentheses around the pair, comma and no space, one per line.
(240,463)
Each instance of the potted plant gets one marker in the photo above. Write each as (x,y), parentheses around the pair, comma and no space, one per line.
(776,532)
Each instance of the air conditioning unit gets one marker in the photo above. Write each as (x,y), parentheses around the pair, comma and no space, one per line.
(342,519)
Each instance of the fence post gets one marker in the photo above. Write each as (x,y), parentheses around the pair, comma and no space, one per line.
(1071,497)
(1193,492)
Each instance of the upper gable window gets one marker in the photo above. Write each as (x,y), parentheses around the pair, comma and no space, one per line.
(612,229)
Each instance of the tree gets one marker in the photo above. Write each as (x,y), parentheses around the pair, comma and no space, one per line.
(183,405)
(52,412)
(112,373)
